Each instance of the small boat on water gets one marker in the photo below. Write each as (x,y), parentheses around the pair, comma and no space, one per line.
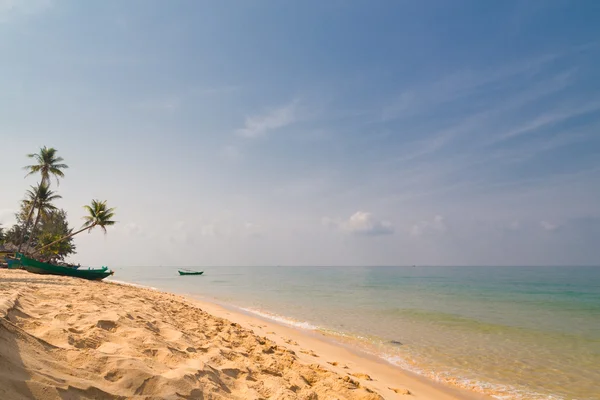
(38,267)
(189,272)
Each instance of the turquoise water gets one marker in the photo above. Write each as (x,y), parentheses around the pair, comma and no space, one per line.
(512,332)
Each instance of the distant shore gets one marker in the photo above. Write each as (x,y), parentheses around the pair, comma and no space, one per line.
(65,336)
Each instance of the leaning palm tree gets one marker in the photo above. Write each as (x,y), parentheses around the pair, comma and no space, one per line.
(44,197)
(47,164)
(98,215)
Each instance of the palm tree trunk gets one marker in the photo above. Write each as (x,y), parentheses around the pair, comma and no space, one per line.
(35,224)
(62,238)
(27,222)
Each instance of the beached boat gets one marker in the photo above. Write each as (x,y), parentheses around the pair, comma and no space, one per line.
(190,272)
(13,263)
(38,267)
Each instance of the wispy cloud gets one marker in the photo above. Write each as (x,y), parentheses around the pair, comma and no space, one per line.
(484,125)
(549,119)
(456,86)
(260,125)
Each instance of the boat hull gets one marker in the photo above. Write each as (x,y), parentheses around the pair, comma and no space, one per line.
(190,273)
(13,263)
(38,267)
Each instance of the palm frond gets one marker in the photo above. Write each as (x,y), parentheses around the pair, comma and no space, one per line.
(98,215)
(47,164)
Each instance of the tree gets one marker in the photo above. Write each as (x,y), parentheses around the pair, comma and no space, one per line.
(44,197)
(13,235)
(98,215)
(17,231)
(47,164)
(2,235)
(54,226)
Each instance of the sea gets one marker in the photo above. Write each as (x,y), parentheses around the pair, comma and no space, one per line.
(510,332)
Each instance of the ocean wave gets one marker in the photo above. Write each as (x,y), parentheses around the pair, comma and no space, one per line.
(281,319)
(131,284)
(452,378)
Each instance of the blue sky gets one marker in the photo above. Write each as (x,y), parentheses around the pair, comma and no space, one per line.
(313,132)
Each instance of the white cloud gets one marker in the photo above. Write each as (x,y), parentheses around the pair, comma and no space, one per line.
(548,226)
(259,125)
(436,225)
(361,223)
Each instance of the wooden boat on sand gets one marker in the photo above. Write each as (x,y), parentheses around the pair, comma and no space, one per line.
(38,267)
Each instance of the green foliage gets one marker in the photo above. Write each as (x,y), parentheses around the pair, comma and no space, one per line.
(17,232)
(50,233)
(2,235)
(53,227)
(44,205)
(98,215)
(47,164)
(13,235)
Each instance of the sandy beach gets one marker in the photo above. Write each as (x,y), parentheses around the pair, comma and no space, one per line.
(67,338)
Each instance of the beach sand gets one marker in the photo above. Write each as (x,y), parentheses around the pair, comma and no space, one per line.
(67,338)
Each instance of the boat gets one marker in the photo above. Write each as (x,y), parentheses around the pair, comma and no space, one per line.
(188,272)
(38,267)
(13,263)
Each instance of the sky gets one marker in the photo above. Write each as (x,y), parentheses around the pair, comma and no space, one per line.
(311,132)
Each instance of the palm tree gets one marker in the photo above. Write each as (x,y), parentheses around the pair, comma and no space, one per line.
(98,215)
(47,164)
(44,197)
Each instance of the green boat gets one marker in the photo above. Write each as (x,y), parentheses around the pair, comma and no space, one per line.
(190,272)
(38,267)
(13,263)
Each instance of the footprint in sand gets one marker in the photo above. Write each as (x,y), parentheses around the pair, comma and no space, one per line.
(337,364)
(290,341)
(400,391)
(360,375)
(309,352)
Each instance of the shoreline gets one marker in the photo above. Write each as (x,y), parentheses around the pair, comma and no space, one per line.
(383,373)
(107,340)
(307,339)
